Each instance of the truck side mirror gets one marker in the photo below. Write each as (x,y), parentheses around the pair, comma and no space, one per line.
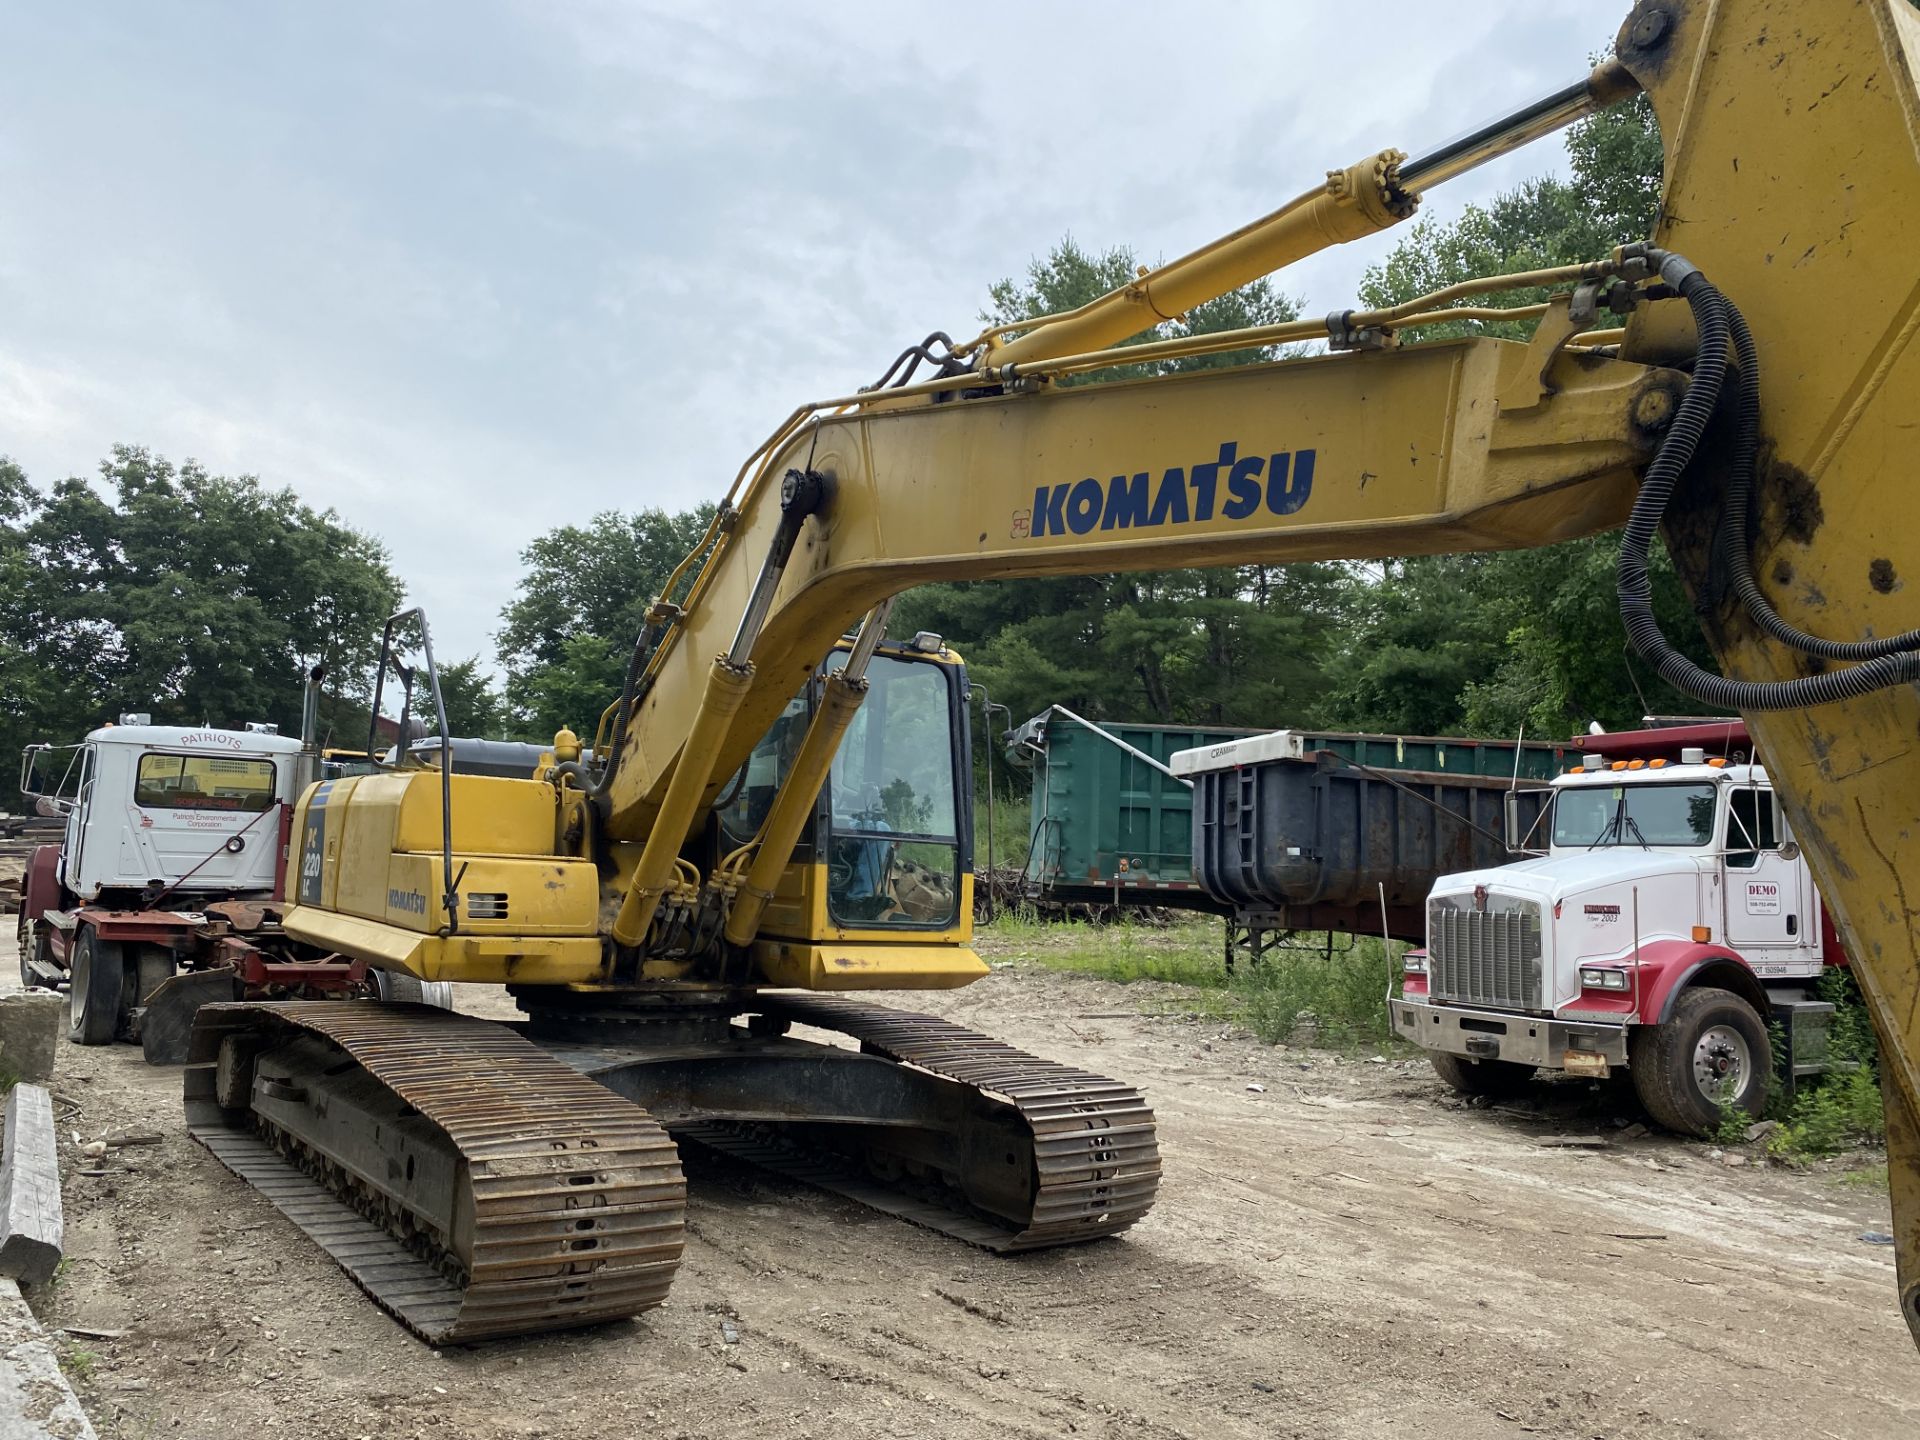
(1522,818)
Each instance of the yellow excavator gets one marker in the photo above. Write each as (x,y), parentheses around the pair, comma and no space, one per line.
(773,814)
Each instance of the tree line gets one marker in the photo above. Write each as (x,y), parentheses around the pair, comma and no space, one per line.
(198,597)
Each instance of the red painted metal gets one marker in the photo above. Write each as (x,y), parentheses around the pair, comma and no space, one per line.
(157,927)
(285,840)
(258,971)
(42,890)
(1832,951)
(1666,966)
(1717,738)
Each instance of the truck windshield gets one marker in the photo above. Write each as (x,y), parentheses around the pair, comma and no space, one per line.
(1586,816)
(203,782)
(894,847)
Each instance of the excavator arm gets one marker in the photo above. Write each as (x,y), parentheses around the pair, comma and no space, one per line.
(1358,456)
(1792,137)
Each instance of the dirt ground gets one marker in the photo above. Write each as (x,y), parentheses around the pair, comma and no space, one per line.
(1346,1253)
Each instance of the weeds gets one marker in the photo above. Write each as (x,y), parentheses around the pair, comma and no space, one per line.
(1010,837)
(1184,954)
(1842,1108)
(1339,1000)
(1873,1178)
(78,1361)
(1734,1122)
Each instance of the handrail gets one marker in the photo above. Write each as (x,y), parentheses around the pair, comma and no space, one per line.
(450,894)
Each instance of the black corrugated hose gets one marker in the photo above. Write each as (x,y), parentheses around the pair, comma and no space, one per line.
(1888,662)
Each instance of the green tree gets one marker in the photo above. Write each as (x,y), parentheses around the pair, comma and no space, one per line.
(1231,645)
(571,627)
(475,707)
(163,588)
(1488,643)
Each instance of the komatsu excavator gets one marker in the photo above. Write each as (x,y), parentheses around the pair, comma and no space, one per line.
(774,812)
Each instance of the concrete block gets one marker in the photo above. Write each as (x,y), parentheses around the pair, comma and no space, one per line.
(31,1225)
(30,1026)
(36,1403)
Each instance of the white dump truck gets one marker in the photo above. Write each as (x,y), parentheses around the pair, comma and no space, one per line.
(1666,923)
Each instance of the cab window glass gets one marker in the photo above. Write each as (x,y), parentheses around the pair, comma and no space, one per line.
(1751,828)
(203,782)
(1591,816)
(893,852)
(750,794)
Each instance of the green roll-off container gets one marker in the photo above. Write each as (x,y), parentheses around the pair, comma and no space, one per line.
(1109,824)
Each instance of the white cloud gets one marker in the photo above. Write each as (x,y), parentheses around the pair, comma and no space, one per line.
(467,272)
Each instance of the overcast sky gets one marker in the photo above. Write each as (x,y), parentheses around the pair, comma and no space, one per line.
(464,271)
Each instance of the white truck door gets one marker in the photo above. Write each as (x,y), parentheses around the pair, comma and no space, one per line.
(73,847)
(1766,911)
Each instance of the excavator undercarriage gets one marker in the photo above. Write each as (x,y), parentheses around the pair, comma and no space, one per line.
(482,1180)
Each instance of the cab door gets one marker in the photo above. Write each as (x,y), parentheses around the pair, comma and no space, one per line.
(1766,911)
(73,851)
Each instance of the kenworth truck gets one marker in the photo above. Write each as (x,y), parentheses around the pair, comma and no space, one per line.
(1664,923)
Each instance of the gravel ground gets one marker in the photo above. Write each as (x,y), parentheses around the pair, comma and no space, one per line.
(1346,1252)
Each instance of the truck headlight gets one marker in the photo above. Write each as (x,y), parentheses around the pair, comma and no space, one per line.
(1414,962)
(1602,977)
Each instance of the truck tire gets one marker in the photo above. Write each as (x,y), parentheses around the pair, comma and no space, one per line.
(1711,1051)
(1495,1079)
(97,982)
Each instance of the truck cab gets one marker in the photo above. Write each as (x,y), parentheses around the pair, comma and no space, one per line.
(1663,921)
(165,807)
(174,839)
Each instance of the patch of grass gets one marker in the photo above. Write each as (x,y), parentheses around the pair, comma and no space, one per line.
(1871,1178)
(1338,1000)
(1842,1108)
(1010,837)
(1183,954)
(1734,1122)
(1838,1112)
(78,1361)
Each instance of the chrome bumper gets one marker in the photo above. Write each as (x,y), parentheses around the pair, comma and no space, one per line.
(1503,1035)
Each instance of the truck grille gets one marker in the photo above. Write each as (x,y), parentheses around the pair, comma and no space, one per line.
(1485,957)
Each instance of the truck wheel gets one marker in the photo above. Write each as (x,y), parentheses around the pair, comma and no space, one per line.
(97,982)
(1495,1079)
(1711,1052)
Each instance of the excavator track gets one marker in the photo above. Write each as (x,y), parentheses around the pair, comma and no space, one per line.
(1096,1161)
(560,1203)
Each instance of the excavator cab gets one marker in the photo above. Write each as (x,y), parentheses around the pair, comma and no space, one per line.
(888,852)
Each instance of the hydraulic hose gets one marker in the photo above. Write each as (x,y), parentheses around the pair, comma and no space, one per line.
(1736,536)
(1718,324)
